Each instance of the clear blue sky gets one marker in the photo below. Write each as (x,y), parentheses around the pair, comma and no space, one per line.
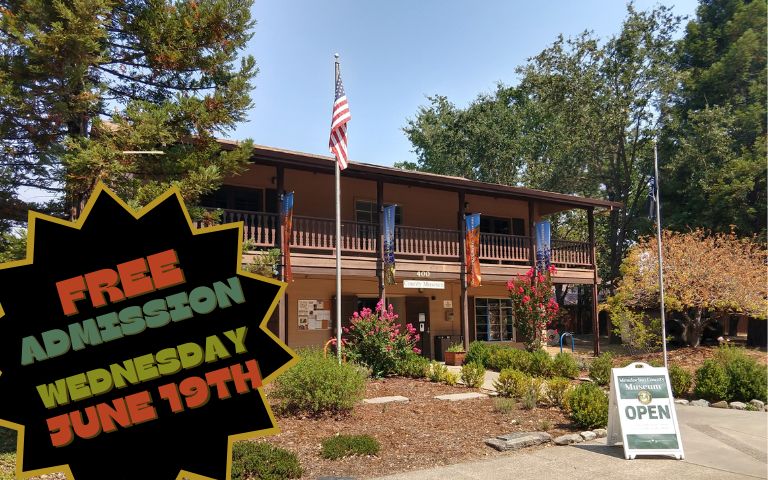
(393,54)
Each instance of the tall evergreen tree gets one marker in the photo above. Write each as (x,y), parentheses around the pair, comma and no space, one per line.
(716,139)
(84,81)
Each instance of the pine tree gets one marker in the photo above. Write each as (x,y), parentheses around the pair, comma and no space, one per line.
(716,137)
(83,81)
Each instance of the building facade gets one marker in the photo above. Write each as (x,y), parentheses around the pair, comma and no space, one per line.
(429,244)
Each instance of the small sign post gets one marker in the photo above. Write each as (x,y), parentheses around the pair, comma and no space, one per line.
(641,412)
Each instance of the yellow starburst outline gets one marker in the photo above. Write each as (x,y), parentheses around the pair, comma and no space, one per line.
(77,225)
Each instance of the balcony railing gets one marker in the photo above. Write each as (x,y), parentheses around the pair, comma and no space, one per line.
(361,239)
(566,253)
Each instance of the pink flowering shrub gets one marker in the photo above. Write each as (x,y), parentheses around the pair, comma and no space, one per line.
(376,339)
(533,305)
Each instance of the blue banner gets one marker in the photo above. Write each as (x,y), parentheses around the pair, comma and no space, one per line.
(389,244)
(543,246)
(287,214)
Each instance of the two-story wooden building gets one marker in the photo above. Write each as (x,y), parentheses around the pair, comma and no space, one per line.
(428,247)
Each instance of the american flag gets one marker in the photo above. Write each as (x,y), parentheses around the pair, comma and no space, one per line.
(339,120)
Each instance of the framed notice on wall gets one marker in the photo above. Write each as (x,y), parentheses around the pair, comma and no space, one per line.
(314,314)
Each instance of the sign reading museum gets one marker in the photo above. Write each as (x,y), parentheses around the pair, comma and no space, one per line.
(642,412)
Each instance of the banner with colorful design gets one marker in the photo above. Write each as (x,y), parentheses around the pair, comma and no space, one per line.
(543,245)
(472,254)
(389,244)
(287,213)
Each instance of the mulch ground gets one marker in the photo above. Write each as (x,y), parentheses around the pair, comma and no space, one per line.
(421,433)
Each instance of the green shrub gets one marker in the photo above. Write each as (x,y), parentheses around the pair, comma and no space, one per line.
(529,398)
(412,366)
(437,372)
(681,380)
(504,405)
(600,369)
(746,377)
(746,380)
(565,365)
(450,378)
(478,352)
(339,446)
(557,390)
(265,262)
(588,406)
(317,385)
(533,392)
(263,461)
(456,347)
(473,374)
(711,381)
(511,383)
(509,358)
(539,385)
(541,364)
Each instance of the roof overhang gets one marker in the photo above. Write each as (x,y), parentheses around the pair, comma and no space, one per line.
(326,164)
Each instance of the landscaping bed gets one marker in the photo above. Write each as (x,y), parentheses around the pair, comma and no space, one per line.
(689,358)
(421,433)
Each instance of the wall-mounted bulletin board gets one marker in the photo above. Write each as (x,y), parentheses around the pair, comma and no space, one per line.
(314,314)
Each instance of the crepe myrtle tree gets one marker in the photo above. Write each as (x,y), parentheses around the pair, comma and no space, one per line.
(704,275)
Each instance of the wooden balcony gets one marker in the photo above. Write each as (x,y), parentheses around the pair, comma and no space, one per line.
(316,235)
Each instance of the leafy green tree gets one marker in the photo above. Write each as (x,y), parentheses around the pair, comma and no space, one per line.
(581,121)
(83,81)
(716,137)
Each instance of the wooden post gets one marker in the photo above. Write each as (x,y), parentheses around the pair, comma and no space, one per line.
(531,235)
(380,243)
(593,262)
(464,310)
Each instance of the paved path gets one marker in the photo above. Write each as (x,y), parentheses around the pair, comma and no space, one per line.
(718,444)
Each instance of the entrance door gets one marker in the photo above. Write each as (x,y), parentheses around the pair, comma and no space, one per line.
(417,314)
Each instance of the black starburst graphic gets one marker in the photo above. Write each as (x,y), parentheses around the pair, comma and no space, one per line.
(158,420)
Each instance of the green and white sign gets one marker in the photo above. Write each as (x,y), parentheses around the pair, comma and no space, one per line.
(642,412)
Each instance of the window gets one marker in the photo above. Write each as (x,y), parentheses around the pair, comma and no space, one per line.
(493,320)
(235,198)
(500,225)
(518,226)
(365,212)
(503,226)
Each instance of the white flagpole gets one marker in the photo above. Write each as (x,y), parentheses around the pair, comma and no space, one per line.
(657,197)
(338,244)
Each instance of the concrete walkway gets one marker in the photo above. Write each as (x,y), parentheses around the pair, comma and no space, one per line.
(718,444)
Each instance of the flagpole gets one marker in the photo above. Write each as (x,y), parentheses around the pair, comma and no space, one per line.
(658,245)
(338,243)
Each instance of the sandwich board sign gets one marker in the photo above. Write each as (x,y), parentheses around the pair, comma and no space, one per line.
(641,412)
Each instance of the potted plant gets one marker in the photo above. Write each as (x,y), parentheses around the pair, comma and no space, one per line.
(455,355)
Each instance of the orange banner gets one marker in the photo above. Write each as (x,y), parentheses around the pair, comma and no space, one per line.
(472,247)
